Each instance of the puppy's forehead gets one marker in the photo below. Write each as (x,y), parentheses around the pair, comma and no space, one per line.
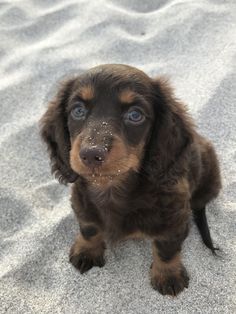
(121,80)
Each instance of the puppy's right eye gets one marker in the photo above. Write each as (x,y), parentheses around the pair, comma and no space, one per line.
(79,111)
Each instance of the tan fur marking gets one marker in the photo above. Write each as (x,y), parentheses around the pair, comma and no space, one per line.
(135,235)
(174,265)
(162,270)
(120,159)
(87,92)
(74,154)
(95,245)
(127,96)
(182,186)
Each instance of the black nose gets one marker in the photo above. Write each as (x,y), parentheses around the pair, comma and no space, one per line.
(93,156)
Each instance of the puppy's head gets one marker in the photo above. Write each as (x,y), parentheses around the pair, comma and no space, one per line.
(107,121)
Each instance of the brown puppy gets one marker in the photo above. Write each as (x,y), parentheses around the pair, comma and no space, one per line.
(137,164)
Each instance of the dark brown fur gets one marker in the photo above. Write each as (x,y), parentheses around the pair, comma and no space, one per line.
(153,176)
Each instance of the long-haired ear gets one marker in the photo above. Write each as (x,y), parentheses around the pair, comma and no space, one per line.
(55,133)
(172,131)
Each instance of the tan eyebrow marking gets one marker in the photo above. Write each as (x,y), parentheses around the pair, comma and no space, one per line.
(87,92)
(127,96)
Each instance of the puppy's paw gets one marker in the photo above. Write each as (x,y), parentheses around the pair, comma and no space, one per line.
(170,283)
(86,259)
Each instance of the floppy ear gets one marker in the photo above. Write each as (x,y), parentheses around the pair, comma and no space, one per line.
(55,133)
(172,131)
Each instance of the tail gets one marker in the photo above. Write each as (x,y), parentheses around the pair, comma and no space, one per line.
(202,225)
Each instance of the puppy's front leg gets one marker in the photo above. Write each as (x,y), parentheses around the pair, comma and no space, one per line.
(168,274)
(88,249)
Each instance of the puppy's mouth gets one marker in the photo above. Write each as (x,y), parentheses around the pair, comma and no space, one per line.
(106,173)
(102,166)
(99,174)
(101,179)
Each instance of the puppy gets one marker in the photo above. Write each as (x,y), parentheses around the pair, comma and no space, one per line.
(137,165)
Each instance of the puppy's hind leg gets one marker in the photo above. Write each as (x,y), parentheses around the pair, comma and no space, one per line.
(208,189)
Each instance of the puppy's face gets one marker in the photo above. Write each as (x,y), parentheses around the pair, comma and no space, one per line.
(113,119)
(109,117)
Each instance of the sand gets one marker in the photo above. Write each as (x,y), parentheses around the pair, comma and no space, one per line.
(192,42)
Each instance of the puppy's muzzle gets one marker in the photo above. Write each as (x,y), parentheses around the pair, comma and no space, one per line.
(93,156)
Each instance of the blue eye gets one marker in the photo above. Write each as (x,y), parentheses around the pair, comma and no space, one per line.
(135,116)
(79,112)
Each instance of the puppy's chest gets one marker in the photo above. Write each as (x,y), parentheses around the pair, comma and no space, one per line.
(123,213)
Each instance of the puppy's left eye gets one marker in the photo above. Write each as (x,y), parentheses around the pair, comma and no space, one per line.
(134,116)
(79,111)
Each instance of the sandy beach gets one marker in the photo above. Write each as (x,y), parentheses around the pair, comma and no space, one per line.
(194,44)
